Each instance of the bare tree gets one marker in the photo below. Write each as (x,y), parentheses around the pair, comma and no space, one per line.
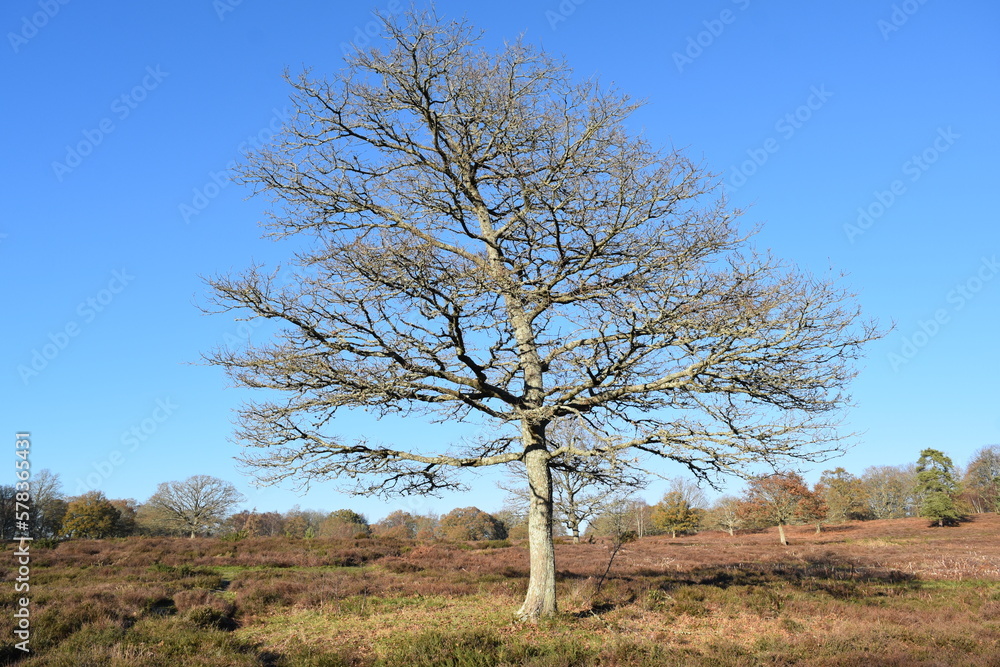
(199,504)
(725,514)
(982,480)
(492,244)
(891,491)
(48,503)
(689,492)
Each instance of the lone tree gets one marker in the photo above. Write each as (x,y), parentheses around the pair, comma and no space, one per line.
(938,488)
(778,500)
(674,515)
(199,504)
(725,514)
(682,509)
(492,244)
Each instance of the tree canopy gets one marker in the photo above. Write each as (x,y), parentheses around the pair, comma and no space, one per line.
(92,515)
(938,487)
(195,506)
(490,240)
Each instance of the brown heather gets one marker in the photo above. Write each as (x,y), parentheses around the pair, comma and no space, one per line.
(875,593)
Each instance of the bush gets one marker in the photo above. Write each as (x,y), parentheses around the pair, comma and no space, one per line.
(209,617)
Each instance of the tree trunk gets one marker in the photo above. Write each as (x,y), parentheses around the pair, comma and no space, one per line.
(819,528)
(673,534)
(541,597)
(730,531)
(781,534)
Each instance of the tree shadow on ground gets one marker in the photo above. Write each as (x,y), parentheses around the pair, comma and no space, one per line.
(838,578)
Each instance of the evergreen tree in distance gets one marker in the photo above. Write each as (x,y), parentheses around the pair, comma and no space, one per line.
(937,485)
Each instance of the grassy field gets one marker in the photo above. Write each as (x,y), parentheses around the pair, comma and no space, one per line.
(873,593)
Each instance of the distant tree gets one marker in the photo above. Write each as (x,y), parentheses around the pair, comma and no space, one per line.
(813,509)
(681,510)
(689,490)
(300,523)
(843,495)
(890,492)
(8,500)
(674,515)
(641,514)
(777,500)
(92,516)
(581,486)
(514,516)
(938,487)
(623,515)
(344,524)
(270,524)
(48,503)
(255,524)
(296,525)
(471,523)
(398,524)
(198,505)
(981,484)
(428,526)
(725,514)
(127,516)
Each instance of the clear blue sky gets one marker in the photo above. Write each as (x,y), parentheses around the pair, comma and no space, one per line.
(122,117)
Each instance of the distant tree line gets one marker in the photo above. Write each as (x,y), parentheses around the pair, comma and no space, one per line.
(932,487)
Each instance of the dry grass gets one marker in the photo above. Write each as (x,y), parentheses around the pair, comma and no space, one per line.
(873,593)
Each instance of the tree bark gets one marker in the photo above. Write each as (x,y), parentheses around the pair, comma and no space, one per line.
(540,599)
(781,534)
